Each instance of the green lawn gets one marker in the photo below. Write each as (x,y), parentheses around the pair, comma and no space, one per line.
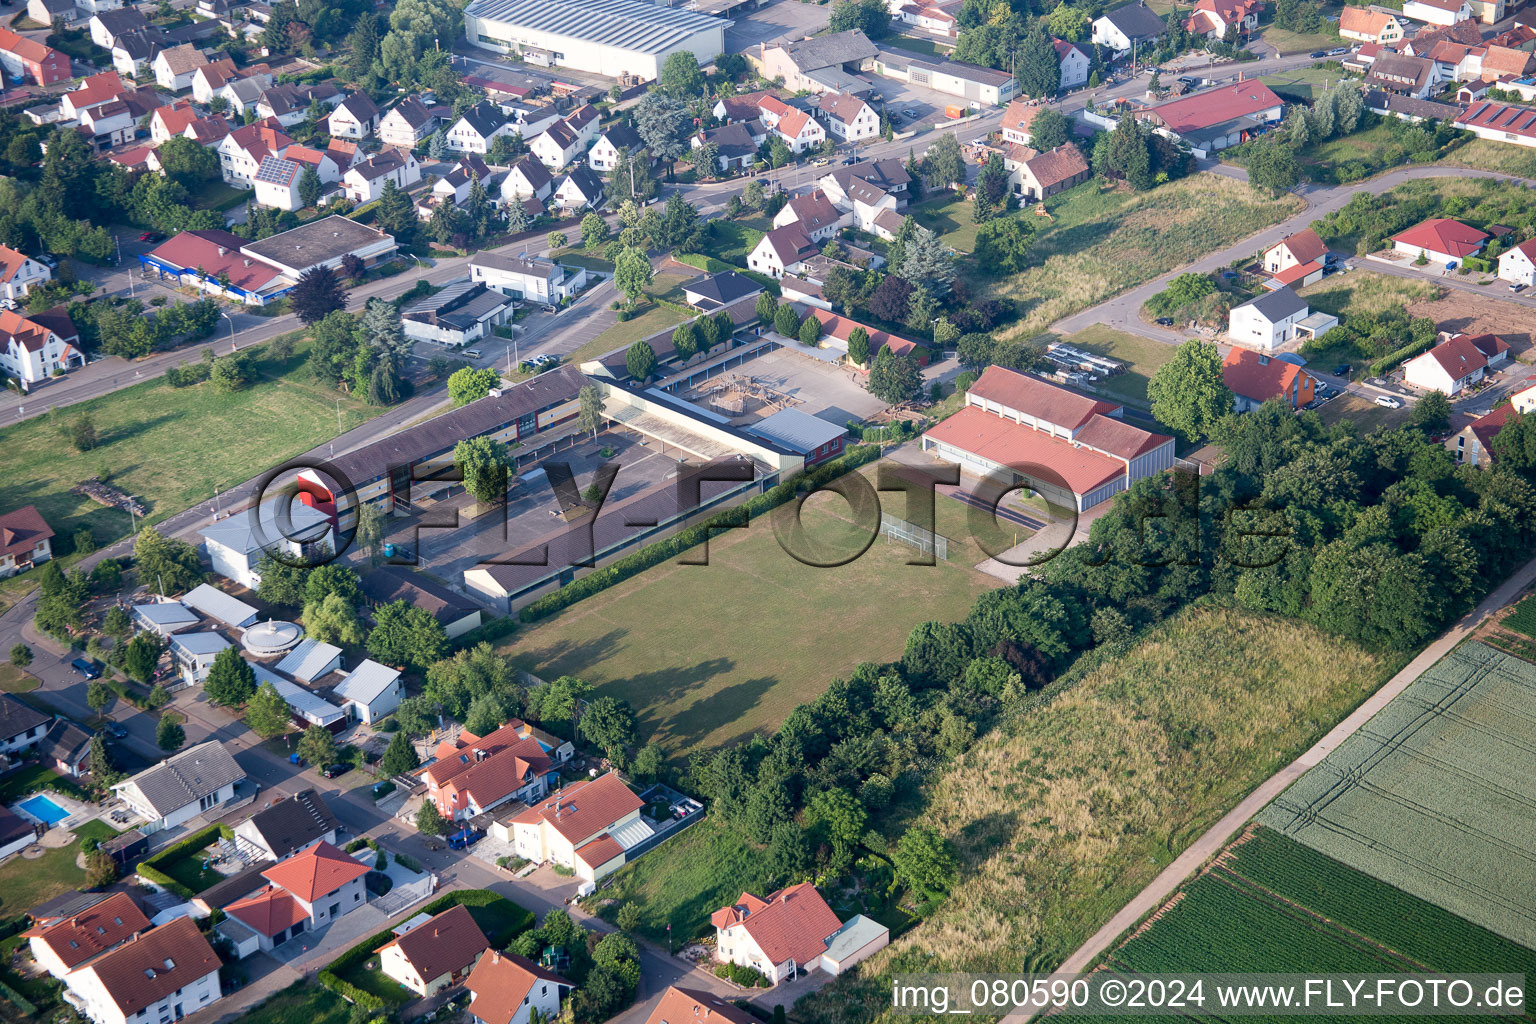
(1287,41)
(34,778)
(1309,82)
(26,883)
(215,195)
(949,216)
(16,680)
(1142,357)
(656,640)
(190,872)
(305,1002)
(654,319)
(171,447)
(732,240)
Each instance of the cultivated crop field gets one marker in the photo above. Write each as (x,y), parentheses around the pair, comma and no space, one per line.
(1101,243)
(1270,904)
(709,654)
(1433,795)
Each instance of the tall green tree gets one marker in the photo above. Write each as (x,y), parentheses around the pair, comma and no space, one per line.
(893,378)
(681,76)
(405,635)
(590,418)
(640,361)
(317,294)
(266,712)
(483,463)
(231,680)
(944,164)
(1189,393)
(1039,68)
(400,756)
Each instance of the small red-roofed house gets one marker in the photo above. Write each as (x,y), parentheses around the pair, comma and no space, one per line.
(792,932)
(309,890)
(1440,240)
(505,988)
(587,827)
(1473,444)
(19,273)
(1518,264)
(695,1006)
(1302,247)
(1254,378)
(1456,363)
(164,973)
(835,331)
(434,954)
(61,944)
(794,126)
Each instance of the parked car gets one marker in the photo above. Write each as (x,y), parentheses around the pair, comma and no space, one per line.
(48,261)
(472,353)
(1388,402)
(820,161)
(1517,287)
(465,837)
(151,237)
(1339,51)
(87,668)
(1164,321)
(909,113)
(117,730)
(333,771)
(1343,370)
(1315,54)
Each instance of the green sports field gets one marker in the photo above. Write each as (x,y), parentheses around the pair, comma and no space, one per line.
(1433,795)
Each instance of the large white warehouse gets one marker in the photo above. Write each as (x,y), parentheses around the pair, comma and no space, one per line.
(606,37)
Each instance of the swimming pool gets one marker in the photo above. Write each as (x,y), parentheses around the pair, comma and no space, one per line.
(43,809)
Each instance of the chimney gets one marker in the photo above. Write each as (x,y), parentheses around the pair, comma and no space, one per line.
(222,250)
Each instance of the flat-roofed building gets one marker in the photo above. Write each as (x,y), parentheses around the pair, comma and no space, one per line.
(606,37)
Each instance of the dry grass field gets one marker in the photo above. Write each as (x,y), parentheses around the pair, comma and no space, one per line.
(1365,292)
(709,654)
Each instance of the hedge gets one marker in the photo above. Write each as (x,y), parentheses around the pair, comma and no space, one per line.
(1399,355)
(18,1000)
(663,550)
(487,632)
(149,868)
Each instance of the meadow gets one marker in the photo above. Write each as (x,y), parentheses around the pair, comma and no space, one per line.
(1439,768)
(1142,357)
(710,654)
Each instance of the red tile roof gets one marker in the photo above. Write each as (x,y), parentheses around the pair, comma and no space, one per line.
(695,1006)
(793,923)
(11,261)
(317,871)
(1214,106)
(1501,117)
(1034,396)
(1487,427)
(97,89)
(1004,442)
(29,334)
(115,919)
(492,778)
(1363,20)
(27,49)
(144,971)
(446,944)
(1443,235)
(1118,437)
(1458,357)
(175,117)
(500,982)
(585,809)
(1304,246)
(1489,345)
(1256,376)
(840,327)
(600,851)
(193,249)
(814,211)
(269,911)
(1059,165)
(1021,114)
(1300,272)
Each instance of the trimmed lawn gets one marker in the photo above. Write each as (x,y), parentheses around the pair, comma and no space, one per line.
(731,240)
(215,195)
(157,443)
(1101,241)
(26,883)
(1305,42)
(788,628)
(1309,82)
(16,680)
(949,216)
(34,778)
(1142,356)
(190,872)
(304,1001)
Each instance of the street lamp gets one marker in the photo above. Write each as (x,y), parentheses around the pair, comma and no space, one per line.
(231,320)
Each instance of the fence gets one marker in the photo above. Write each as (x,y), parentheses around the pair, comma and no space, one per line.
(904,532)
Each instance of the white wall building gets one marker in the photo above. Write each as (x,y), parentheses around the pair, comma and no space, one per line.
(167,973)
(606,37)
(182,786)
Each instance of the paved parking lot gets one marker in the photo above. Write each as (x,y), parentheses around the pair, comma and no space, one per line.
(825,389)
(786,19)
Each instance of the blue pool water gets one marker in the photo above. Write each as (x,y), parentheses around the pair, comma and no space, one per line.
(43,809)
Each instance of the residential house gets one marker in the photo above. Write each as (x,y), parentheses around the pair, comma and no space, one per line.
(1499,63)
(67,748)
(741,107)
(460,313)
(107,125)
(1426,38)
(106,87)
(1076,63)
(211,77)
(1473,444)
(478,127)
(1217,118)
(39,345)
(19,274)
(1373,24)
(243,94)
(1456,363)
(819,64)
(530,278)
(329,166)
(1224,19)
(46,12)
(133,52)
(1268,321)
(848,118)
(583,121)
(1518,264)
(237,543)
(193,655)
(1085,451)
(1438,12)
(556,146)
(242,151)
(1045,174)
(434,954)
(835,331)
(184,785)
(174,66)
(168,122)
(783,936)
(603,157)
(365,182)
(814,213)
(309,890)
(507,989)
(355,117)
(163,974)
(277,184)
(1403,74)
(1501,122)
(579,188)
(108,26)
(1255,378)
(207,131)
(288,827)
(1123,28)
(936,19)
(587,826)
(22,727)
(717,291)
(60,943)
(1294,250)
(780,249)
(736,143)
(797,128)
(289,104)
(1440,240)
(682,1005)
(475,775)
(454,187)
(371,691)
(26,58)
(407,123)
(528,179)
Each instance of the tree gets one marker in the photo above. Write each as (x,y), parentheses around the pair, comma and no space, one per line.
(868,16)
(894,379)
(187,162)
(609,723)
(482,461)
(369,529)
(142,655)
(317,746)
(1068,22)
(332,578)
(1039,66)
(594,230)
(629,918)
(405,635)
(266,712)
(555,704)
(99,761)
(485,715)
(650,763)
(767,308)
(992,182)
(396,214)
(681,76)
(1188,393)
(836,817)
(99,697)
(21,655)
(685,341)
(316,294)
(662,123)
(400,756)
(281,583)
(468,384)
(591,415)
(944,164)
(786,322)
(925,861)
(1432,413)
(1127,154)
(231,680)
(100,868)
(631,179)
(891,299)
(82,433)
(309,186)
(555,240)
(810,331)
(858,346)
(429,822)
(1272,167)
(926,263)
(1002,246)
(1049,129)
(631,274)
(172,565)
(640,361)
(1303,16)
(437,145)
(333,621)
(169,735)
(779,153)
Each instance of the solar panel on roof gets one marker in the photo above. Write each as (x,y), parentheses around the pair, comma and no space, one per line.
(276,172)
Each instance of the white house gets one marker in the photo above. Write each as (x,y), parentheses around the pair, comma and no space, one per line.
(38,346)
(287,529)
(506,989)
(604,154)
(309,890)
(21,726)
(798,129)
(556,146)
(814,214)
(174,66)
(371,691)
(586,826)
(60,944)
(1456,363)
(1075,63)
(1124,27)
(181,787)
(107,27)
(26,540)
(19,274)
(428,956)
(583,121)
(848,118)
(528,179)
(355,117)
(454,187)
(212,603)
(194,654)
(477,128)
(1268,320)
(1438,12)
(311,660)
(364,182)
(780,249)
(242,151)
(1440,241)
(167,973)
(288,827)
(407,123)
(277,184)
(579,188)
(1518,265)
(532,278)
(786,934)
